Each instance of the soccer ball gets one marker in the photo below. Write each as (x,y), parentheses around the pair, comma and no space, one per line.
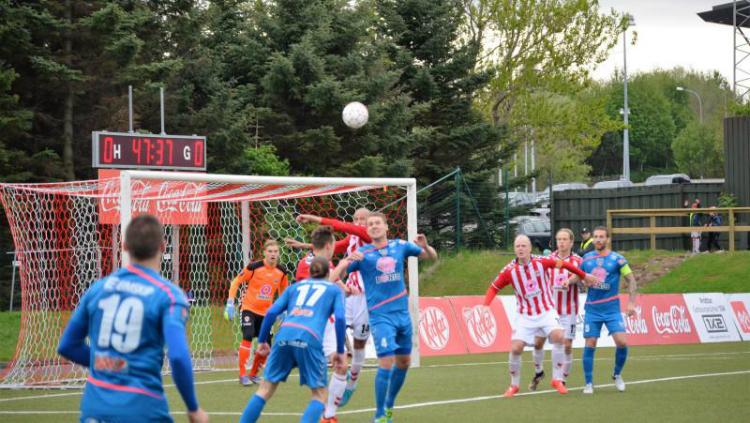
(355,115)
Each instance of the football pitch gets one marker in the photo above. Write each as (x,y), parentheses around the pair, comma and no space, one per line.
(708,382)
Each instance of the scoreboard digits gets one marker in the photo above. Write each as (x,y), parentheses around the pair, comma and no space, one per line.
(148,151)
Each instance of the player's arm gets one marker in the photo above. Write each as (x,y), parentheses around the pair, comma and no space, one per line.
(340,271)
(73,341)
(627,273)
(549,263)
(299,245)
(347,228)
(284,281)
(502,280)
(340,246)
(178,352)
(276,309)
(245,276)
(340,322)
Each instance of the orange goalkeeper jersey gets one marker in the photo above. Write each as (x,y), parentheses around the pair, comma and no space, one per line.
(263,282)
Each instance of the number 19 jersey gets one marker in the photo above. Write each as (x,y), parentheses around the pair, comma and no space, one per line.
(126,313)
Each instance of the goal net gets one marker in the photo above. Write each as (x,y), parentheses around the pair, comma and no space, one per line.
(67,235)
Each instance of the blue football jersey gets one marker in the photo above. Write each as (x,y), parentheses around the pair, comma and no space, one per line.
(125,314)
(308,305)
(607,270)
(382,271)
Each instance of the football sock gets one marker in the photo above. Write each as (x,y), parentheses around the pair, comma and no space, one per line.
(558,361)
(245,348)
(253,409)
(621,355)
(514,365)
(588,364)
(312,412)
(257,361)
(538,360)
(398,376)
(382,379)
(566,366)
(335,391)
(358,360)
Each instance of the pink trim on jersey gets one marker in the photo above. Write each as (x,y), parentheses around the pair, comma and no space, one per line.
(151,279)
(393,298)
(604,300)
(297,325)
(566,300)
(123,388)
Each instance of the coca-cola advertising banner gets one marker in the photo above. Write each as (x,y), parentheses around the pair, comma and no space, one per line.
(484,329)
(176,211)
(659,319)
(740,304)
(712,316)
(438,329)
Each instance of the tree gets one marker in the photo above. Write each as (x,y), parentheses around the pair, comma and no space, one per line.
(697,153)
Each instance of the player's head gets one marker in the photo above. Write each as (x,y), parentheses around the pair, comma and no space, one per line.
(319,268)
(564,239)
(377,227)
(144,238)
(601,237)
(322,242)
(522,247)
(360,216)
(271,251)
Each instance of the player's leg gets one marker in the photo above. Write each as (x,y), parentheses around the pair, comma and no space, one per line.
(313,373)
(247,324)
(568,322)
(315,407)
(592,327)
(258,360)
(401,366)
(337,384)
(538,355)
(616,327)
(358,319)
(281,361)
(556,337)
(514,364)
(384,336)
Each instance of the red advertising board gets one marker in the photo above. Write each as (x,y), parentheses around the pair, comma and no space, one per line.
(742,317)
(484,329)
(149,197)
(438,329)
(659,319)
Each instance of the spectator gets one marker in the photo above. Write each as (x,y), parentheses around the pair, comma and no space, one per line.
(695,222)
(714,219)
(686,240)
(587,243)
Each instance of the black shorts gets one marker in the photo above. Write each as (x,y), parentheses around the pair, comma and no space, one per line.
(251,324)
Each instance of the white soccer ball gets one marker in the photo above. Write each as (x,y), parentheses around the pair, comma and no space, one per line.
(355,115)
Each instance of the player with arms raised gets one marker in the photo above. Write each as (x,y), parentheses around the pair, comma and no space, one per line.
(536,311)
(356,304)
(603,305)
(263,278)
(381,267)
(308,304)
(128,318)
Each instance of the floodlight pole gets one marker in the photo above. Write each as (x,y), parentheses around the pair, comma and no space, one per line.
(626,111)
(130,109)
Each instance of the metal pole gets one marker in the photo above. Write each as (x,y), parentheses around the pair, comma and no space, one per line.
(125,213)
(457,181)
(515,167)
(533,165)
(526,164)
(411,229)
(734,48)
(161,95)
(14,264)
(625,140)
(130,109)
(506,213)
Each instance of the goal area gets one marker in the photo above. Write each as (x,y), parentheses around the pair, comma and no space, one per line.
(67,235)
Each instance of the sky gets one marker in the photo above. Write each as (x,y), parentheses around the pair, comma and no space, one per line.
(670,33)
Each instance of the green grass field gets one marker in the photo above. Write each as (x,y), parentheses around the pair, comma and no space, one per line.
(686,383)
(724,272)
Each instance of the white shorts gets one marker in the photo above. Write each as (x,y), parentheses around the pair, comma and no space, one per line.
(568,323)
(329,338)
(526,328)
(357,317)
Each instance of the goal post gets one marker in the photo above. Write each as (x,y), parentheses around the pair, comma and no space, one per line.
(69,234)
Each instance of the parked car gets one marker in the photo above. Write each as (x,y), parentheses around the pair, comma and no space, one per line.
(518,199)
(543,196)
(675,178)
(536,228)
(619,183)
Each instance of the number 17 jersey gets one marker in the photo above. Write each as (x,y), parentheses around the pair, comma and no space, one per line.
(126,313)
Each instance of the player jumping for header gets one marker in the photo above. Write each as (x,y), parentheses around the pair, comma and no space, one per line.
(603,305)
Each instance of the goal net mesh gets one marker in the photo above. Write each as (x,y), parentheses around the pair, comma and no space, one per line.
(67,235)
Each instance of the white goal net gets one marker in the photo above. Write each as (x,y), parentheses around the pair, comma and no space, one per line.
(67,235)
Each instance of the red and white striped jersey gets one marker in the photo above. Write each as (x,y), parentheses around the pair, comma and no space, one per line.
(356,237)
(566,300)
(531,284)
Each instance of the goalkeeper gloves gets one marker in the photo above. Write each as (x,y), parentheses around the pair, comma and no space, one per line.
(229,310)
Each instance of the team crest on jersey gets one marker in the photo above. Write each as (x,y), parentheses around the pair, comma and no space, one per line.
(386,264)
(246,319)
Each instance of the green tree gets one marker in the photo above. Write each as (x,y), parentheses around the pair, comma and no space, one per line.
(697,153)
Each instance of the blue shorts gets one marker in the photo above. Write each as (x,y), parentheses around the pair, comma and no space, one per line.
(391,333)
(100,405)
(593,320)
(309,359)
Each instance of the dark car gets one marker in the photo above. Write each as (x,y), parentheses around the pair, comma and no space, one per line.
(537,229)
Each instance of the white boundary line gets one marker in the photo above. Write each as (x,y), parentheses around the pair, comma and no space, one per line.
(483,363)
(428,403)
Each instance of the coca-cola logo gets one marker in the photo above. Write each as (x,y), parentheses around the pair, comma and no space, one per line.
(433,328)
(672,321)
(178,194)
(481,325)
(635,324)
(174,197)
(743,317)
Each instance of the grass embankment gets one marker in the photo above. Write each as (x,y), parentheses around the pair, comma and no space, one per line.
(717,272)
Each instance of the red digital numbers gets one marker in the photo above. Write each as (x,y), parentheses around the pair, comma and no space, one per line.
(149,151)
